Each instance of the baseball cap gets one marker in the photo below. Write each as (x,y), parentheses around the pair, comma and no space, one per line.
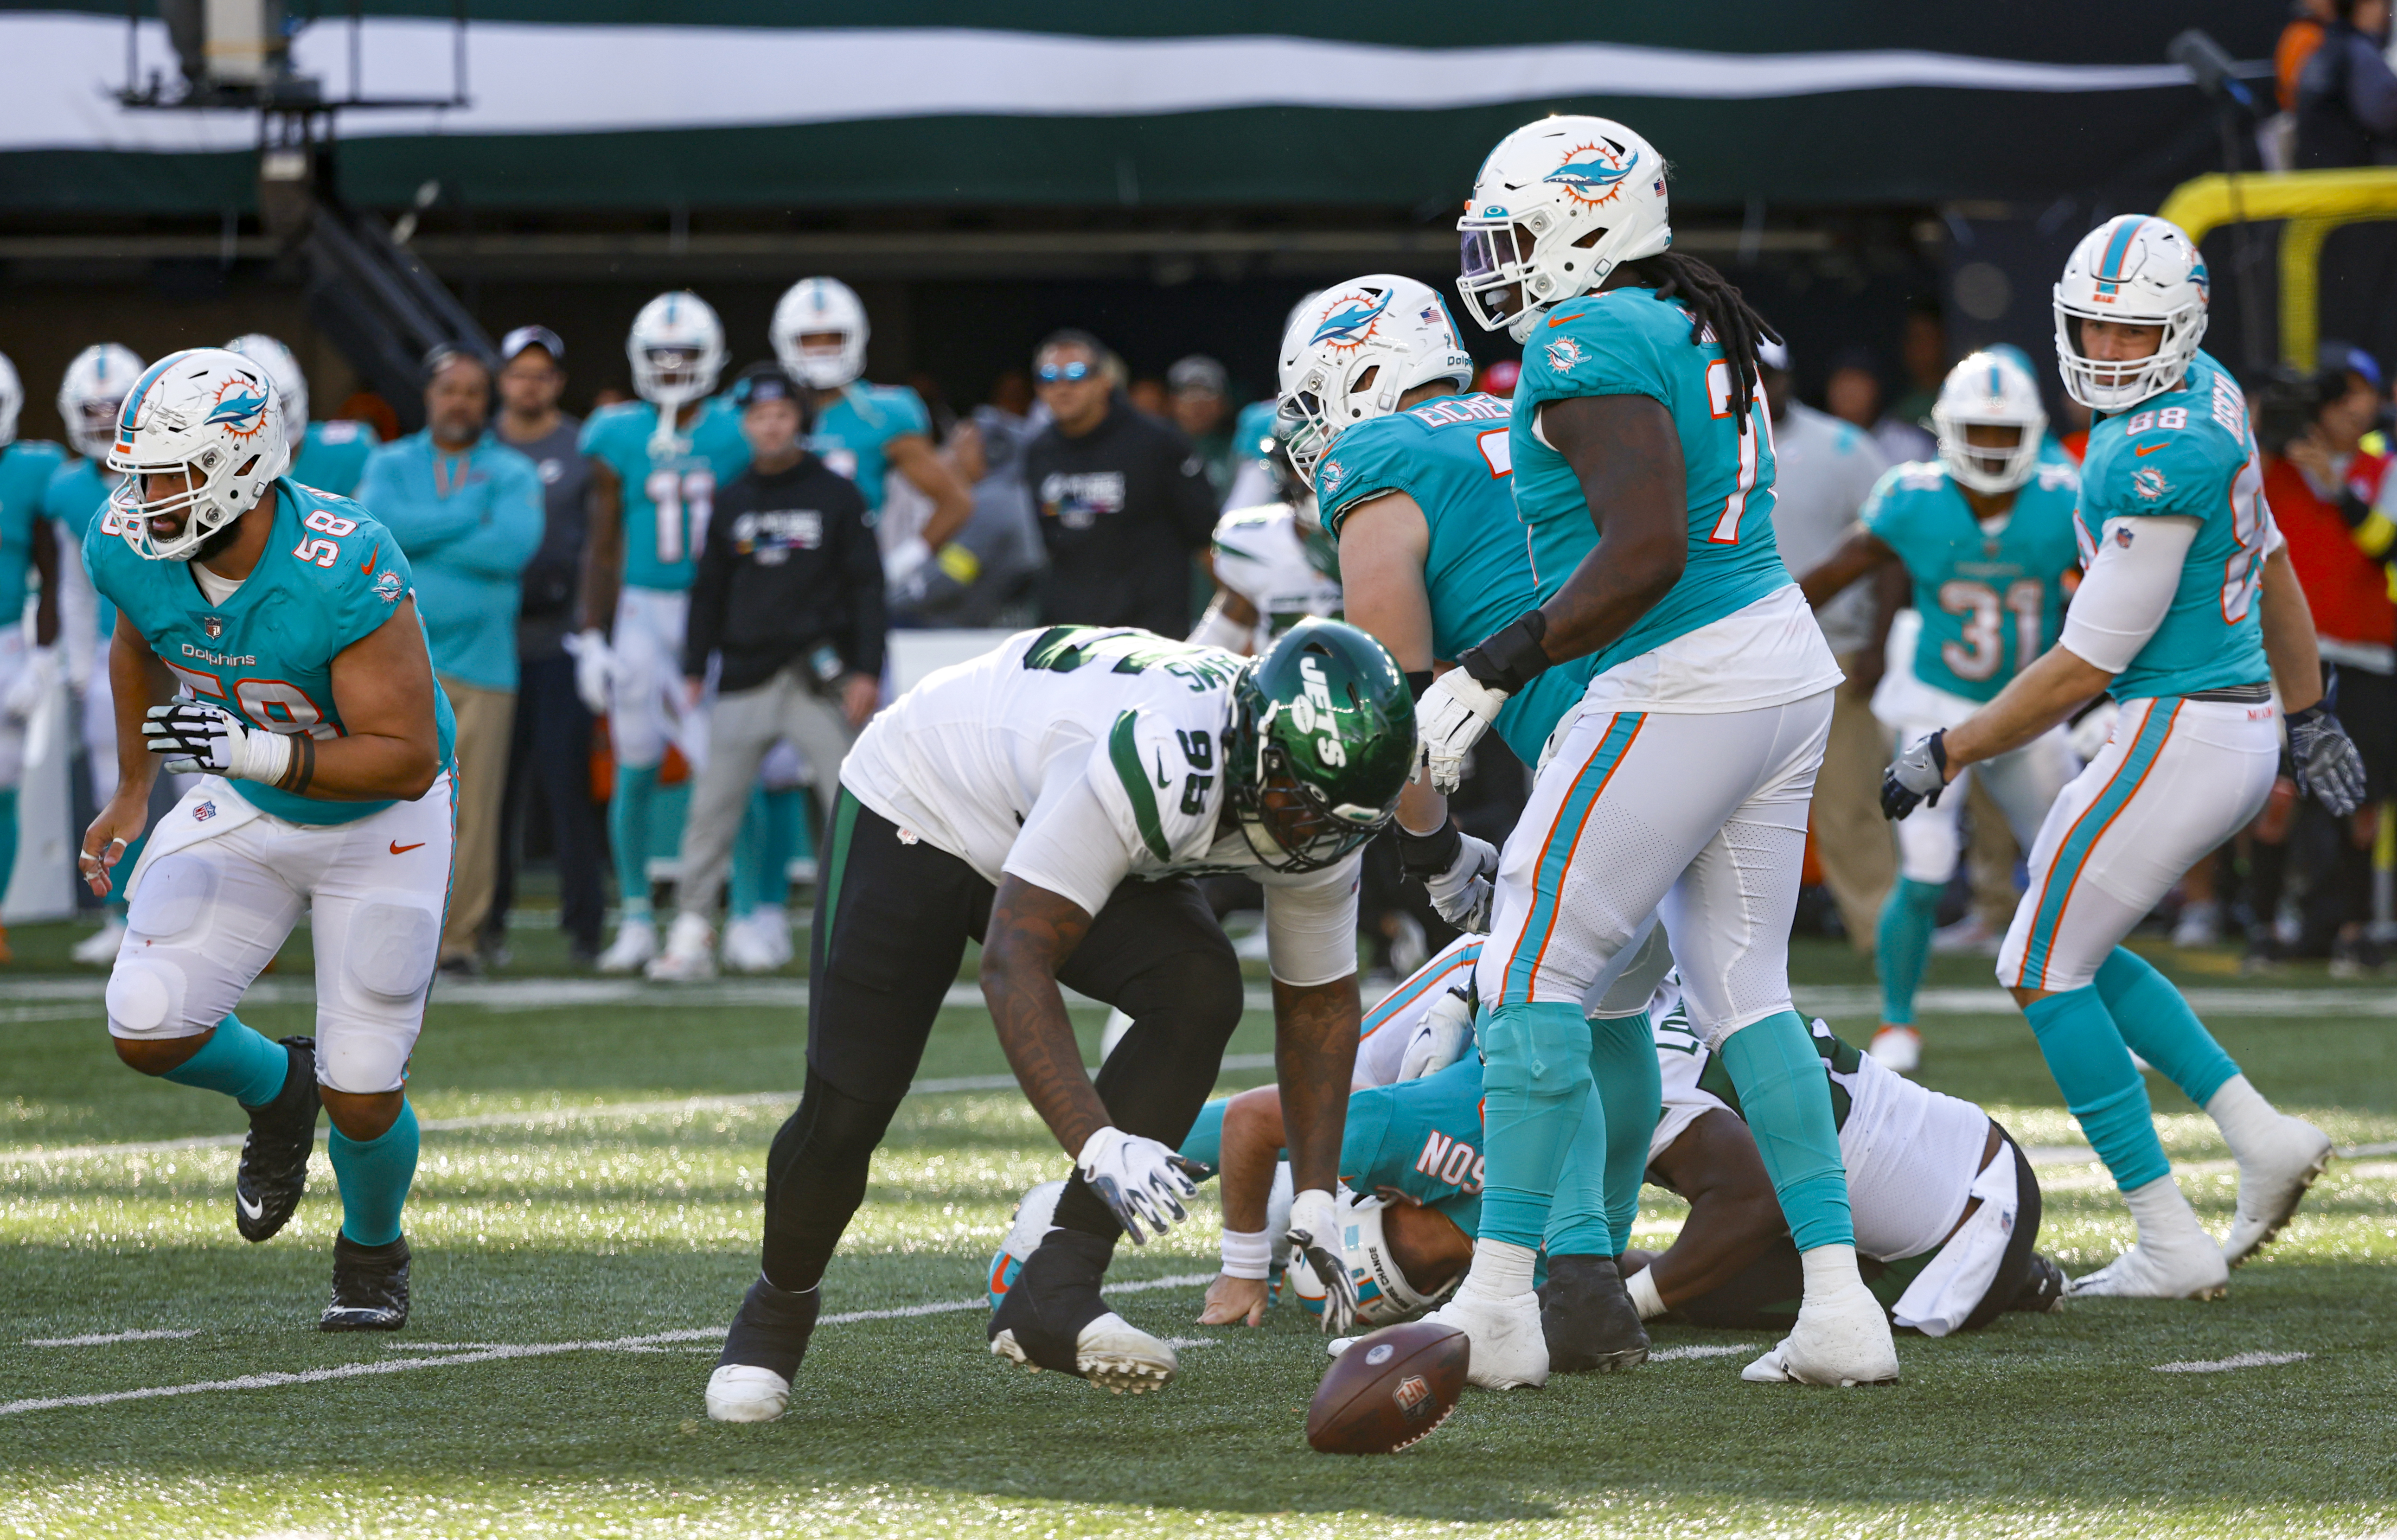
(763,383)
(1197,372)
(532,337)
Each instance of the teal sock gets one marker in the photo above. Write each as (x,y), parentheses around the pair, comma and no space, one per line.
(1623,1060)
(1903,950)
(1205,1144)
(1577,1223)
(2084,1051)
(2157,1023)
(7,836)
(1534,1093)
(787,825)
(1786,1099)
(628,832)
(374,1175)
(803,837)
(746,888)
(238,1060)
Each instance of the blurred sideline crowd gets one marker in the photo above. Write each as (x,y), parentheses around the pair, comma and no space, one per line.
(812,513)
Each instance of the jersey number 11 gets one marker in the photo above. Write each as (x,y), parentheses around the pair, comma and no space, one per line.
(677,495)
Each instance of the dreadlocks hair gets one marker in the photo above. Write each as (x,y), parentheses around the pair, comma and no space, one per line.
(1716,307)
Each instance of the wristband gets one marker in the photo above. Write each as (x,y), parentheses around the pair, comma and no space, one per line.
(263,756)
(297,775)
(1247,1253)
(1427,855)
(1418,682)
(1512,657)
(1641,1287)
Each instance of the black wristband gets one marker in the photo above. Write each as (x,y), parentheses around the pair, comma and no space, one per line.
(303,768)
(1418,682)
(1427,855)
(1512,657)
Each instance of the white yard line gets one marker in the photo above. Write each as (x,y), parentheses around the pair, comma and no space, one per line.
(1705,1350)
(493,1352)
(2243,1360)
(102,1338)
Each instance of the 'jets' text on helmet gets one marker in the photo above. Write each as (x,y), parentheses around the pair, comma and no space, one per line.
(1323,734)
(212,415)
(2141,270)
(92,393)
(1556,207)
(677,350)
(1352,350)
(821,308)
(282,365)
(1988,389)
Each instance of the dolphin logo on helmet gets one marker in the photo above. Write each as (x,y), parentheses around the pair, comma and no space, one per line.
(1595,179)
(1354,324)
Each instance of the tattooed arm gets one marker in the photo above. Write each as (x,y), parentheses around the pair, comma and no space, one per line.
(1032,933)
(1315,1054)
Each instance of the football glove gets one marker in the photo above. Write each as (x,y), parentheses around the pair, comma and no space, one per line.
(32,684)
(1454,869)
(1441,1037)
(1141,1181)
(1918,776)
(1450,717)
(2329,768)
(195,738)
(899,562)
(595,668)
(1315,1239)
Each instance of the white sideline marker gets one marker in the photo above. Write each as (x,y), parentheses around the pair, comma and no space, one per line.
(2243,1360)
(1705,1350)
(489,1353)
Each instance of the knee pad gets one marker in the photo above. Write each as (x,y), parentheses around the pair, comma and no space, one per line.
(392,946)
(1536,1051)
(174,894)
(145,998)
(363,1058)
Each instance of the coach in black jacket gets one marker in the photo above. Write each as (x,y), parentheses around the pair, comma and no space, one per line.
(787,596)
(1123,498)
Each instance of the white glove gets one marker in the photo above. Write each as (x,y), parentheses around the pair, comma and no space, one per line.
(1315,1239)
(34,682)
(1451,717)
(899,562)
(1441,1038)
(198,738)
(1461,894)
(1139,1180)
(595,668)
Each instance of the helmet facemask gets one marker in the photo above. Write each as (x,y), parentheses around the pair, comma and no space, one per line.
(1493,256)
(1291,826)
(92,424)
(211,419)
(211,498)
(2111,385)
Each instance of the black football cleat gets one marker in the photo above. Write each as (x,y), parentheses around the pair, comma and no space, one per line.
(751,1383)
(1589,1322)
(275,1157)
(2043,1287)
(1052,1317)
(370,1287)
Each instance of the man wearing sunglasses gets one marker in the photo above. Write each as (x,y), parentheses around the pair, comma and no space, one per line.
(1123,498)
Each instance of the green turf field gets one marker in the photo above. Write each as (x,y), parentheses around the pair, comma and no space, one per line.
(586,1218)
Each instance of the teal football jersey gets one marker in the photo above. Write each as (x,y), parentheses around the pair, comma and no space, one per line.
(669,493)
(1452,456)
(1991,596)
(1626,341)
(852,435)
(77,499)
(1252,430)
(2188,452)
(331,575)
(332,456)
(26,467)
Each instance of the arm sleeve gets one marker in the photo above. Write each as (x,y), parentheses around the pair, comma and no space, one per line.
(1312,925)
(711,580)
(1069,845)
(869,624)
(2129,588)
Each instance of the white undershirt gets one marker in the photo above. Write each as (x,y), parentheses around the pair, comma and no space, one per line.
(2129,588)
(218,589)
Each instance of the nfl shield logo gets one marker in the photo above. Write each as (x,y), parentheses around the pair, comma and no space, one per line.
(205,811)
(213,626)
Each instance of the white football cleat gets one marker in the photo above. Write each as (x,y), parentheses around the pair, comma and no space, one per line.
(747,946)
(1841,1338)
(745,1393)
(1898,1048)
(1111,1352)
(2272,1180)
(636,944)
(690,954)
(2183,1271)
(1338,1345)
(100,948)
(773,923)
(1510,1347)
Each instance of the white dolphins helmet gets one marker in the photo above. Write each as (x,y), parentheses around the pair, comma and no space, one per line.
(93,393)
(12,401)
(1993,389)
(213,414)
(813,306)
(282,365)
(2143,269)
(1355,350)
(1384,1295)
(677,350)
(1556,207)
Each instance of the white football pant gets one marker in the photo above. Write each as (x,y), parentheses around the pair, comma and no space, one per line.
(645,701)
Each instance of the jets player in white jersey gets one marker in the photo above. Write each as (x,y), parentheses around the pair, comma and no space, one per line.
(1273,565)
(1054,798)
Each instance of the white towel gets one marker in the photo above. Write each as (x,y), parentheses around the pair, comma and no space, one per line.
(1959,1276)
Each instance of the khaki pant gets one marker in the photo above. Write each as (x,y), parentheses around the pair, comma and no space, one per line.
(741,728)
(1852,838)
(485,725)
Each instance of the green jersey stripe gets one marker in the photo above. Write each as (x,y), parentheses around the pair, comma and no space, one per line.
(1134,775)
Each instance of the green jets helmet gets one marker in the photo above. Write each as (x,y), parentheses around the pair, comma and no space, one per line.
(1323,736)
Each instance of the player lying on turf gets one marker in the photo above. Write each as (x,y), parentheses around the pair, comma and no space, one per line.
(267,640)
(1052,799)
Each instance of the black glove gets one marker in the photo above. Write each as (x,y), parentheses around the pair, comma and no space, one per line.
(2328,766)
(1918,776)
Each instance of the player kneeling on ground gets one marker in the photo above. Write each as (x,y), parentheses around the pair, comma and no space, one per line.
(299,688)
(1052,799)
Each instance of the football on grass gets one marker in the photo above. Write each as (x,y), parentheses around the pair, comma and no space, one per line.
(1389,1390)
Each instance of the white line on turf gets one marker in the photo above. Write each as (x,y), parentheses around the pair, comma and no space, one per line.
(493,1352)
(2242,1360)
(101,1338)
(1705,1350)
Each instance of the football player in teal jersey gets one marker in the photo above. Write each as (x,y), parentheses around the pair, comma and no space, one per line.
(1412,473)
(1642,464)
(655,465)
(91,393)
(267,641)
(29,671)
(2190,616)
(331,456)
(1985,535)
